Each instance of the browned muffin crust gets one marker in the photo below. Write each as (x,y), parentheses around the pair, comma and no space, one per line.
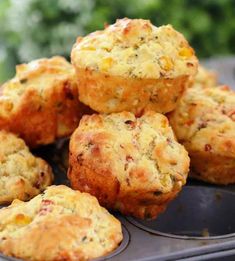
(133,65)
(40,103)
(131,164)
(60,224)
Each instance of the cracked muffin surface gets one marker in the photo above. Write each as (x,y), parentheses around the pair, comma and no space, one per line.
(131,164)
(60,224)
(133,65)
(22,175)
(204,122)
(40,103)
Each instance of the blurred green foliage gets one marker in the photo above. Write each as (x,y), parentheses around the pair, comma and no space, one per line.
(32,29)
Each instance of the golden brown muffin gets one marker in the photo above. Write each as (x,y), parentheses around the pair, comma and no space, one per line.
(60,224)
(22,176)
(132,66)
(204,122)
(204,78)
(40,103)
(130,164)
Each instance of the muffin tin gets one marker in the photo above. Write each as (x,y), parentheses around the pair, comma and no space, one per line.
(198,225)
(198,213)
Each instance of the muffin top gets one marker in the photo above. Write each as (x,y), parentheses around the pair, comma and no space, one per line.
(141,153)
(204,120)
(60,224)
(22,175)
(135,49)
(39,75)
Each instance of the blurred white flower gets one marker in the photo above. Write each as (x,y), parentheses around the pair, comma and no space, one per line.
(35,36)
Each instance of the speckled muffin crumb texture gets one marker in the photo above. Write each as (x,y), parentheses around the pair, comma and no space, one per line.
(60,224)
(131,164)
(136,48)
(22,175)
(133,65)
(204,122)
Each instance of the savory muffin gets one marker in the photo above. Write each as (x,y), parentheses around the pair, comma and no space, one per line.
(132,66)
(204,122)
(22,176)
(204,78)
(60,224)
(40,103)
(130,164)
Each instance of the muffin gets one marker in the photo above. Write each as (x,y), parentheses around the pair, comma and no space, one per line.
(204,122)
(133,66)
(130,164)
(60,224)
(22,176)
(204,78)
(40,103)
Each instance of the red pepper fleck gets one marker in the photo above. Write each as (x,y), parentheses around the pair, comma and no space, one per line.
(47,202)
(129,158)
(231,114)
(131,123)
(225,88)
(127,28)
(190,122)
(208,147)
(46,207)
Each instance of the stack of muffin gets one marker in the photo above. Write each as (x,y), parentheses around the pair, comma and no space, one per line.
(123,151)
(127,156)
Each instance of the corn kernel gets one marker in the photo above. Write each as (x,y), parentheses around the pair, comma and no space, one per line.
(166,63)
(21,219)
(88,48)
(106,64)
(186,52)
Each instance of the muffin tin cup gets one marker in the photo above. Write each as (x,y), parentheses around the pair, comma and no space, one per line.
(197,213)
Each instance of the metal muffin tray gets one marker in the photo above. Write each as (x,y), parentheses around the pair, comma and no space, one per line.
(198,225)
